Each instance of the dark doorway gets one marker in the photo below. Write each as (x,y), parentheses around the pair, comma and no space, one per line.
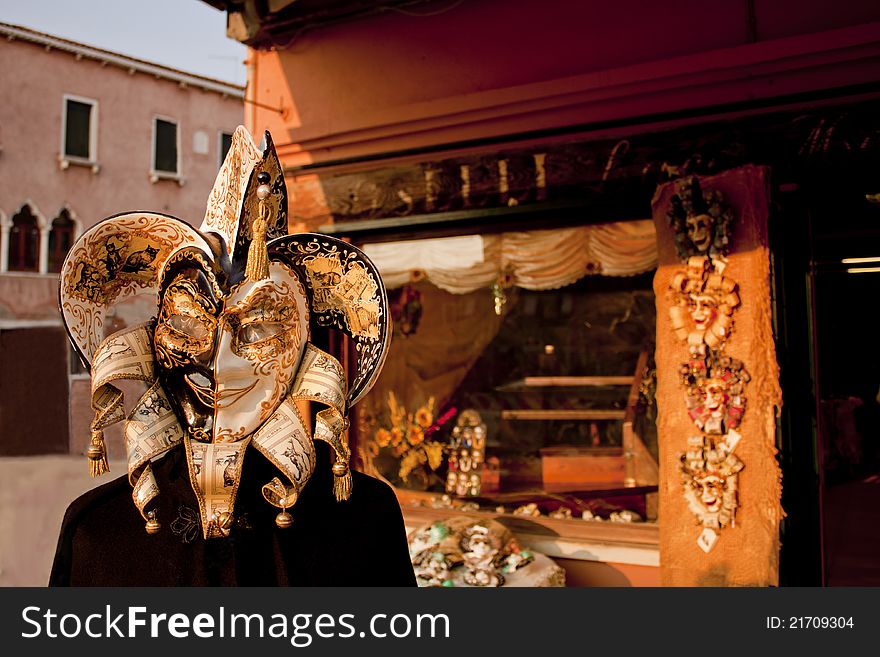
(33,391)
(846,258)
(825,236)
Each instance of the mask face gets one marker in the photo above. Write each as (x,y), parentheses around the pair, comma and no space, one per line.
(185,338)
(263,330)
(227,360)
(703,309)
(699,229)
(711,489)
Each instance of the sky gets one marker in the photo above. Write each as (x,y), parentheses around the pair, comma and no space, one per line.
(186,34)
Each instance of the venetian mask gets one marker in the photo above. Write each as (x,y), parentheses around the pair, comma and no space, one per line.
(703,309)
(699,230)
(228,357)
(263,332)
(709,472)
(715,393)
(699,220)
(185,342)
(710,490)
(703,302)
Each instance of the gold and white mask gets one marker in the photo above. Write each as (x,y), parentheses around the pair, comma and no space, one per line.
(235,357)
(227,358)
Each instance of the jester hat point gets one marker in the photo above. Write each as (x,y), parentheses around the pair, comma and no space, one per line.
(227,357)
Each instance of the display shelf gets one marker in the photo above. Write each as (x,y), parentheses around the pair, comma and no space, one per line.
(553,398)
(543,414)
(564,382)
(567,540)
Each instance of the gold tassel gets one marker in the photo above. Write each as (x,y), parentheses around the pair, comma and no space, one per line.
(97,453)
(341,479)
(341,482)
(257,268)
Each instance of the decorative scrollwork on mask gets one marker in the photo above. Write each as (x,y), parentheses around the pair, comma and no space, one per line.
(186,325)
(346,294)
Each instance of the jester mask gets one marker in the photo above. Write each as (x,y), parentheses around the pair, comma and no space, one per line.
(228,357)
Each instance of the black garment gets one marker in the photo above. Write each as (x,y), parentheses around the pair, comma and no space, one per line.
(359,542)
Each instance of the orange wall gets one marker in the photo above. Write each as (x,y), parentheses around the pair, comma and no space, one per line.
(500,67)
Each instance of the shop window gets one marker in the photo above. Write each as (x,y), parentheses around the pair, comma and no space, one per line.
(60,239)
(24,241)
(225,145)
(79,126)
(532,375)
(165,148)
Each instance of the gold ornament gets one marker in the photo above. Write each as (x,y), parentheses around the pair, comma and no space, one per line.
(97,454)
(284,520)
(153,526)
(224,522)
(257,267)
(341,481)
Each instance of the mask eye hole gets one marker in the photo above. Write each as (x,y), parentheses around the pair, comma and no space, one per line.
(190,326)
(255,332)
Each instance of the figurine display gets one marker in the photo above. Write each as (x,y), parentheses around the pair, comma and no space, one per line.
(461,551)
(467,452)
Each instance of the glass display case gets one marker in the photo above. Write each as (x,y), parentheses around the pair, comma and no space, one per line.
(551,390)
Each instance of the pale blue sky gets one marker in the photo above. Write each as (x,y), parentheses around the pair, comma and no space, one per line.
(186,34)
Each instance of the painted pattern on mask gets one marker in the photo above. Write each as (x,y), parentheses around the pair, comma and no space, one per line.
(186,325)
(185,340)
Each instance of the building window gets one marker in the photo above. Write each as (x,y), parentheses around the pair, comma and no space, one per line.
(24,241)
(60,239)
(225,145)
(79,129)
(166,151)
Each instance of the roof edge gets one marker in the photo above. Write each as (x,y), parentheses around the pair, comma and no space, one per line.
(12,32)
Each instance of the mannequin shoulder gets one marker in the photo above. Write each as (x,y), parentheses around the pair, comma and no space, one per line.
(100,502)
(370,489)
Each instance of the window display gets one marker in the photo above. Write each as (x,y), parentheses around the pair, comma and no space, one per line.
(521,400)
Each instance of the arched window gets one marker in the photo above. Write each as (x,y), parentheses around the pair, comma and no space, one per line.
(24,241)
(60,239)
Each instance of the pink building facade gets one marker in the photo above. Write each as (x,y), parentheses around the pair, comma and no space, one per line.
(84,134)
